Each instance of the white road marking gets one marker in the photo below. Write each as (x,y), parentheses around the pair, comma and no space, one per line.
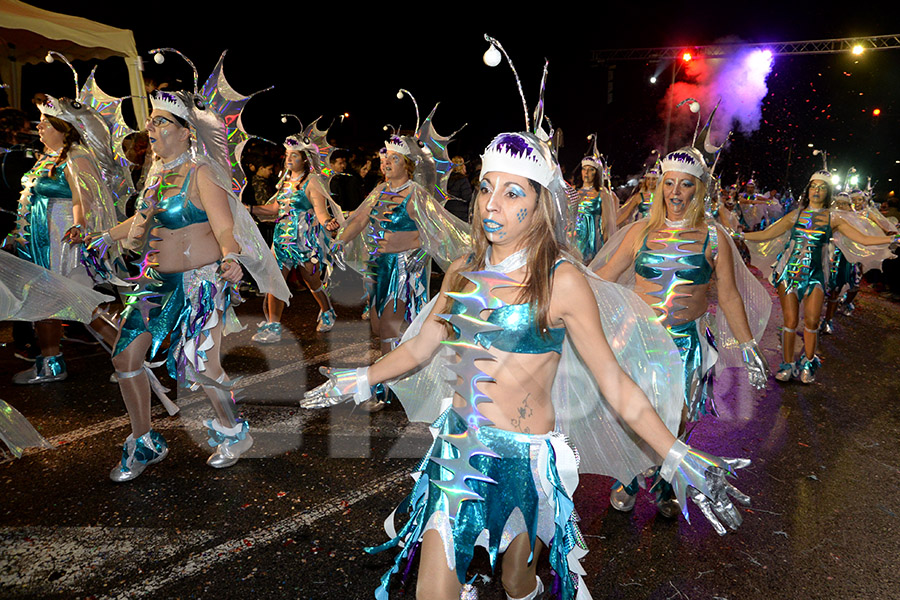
(202,561)
(158,412)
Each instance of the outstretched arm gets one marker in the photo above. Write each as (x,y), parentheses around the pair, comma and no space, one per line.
(577,307)
(775,229)
(346,384)
(842,226)
(691,472)
(622,258)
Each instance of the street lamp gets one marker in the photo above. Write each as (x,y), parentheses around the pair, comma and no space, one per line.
(686,57)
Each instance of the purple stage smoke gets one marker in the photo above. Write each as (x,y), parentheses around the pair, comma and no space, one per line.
(739,80)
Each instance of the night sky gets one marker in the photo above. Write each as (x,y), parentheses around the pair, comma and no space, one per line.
(326,62)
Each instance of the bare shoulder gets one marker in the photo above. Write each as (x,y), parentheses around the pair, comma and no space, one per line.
(568,279)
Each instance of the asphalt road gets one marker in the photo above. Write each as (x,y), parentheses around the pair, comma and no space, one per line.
(291,519)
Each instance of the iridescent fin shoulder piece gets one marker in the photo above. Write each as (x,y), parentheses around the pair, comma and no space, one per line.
(440,157)
(114,171)
(228,104)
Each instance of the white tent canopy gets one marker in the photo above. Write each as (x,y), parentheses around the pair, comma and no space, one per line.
(28,32)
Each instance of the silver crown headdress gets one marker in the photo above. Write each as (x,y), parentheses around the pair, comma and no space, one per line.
(593,158)
(427,149)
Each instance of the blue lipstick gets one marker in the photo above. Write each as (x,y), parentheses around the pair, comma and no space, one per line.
(491,226)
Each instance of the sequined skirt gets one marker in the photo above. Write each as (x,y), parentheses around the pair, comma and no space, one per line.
(527,490)
(398,277)
(697,348)
(184,306)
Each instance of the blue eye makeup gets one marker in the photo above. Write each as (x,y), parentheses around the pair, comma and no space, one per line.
(516,190)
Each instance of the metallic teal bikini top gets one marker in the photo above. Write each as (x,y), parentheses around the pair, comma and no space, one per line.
(685,266)
(178,211)
(672,266)
(520,334)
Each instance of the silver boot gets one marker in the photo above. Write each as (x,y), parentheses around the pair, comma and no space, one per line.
(45,370)
(230,443)
(138,454)
(620,499)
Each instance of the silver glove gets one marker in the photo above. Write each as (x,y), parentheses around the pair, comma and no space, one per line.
(702,476)
(757,367)
(337,255)
(343,385)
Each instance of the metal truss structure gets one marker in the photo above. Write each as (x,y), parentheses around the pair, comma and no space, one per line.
(833,46)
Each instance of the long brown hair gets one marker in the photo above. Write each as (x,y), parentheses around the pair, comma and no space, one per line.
(70,137)
(695,215)
(543,252)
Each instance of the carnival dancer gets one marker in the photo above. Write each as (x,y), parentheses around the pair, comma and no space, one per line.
(801,269)
(405,226)
(193,235)
(868,220)
(512,313)
(595,208)
(63,196)
(301,240)
(671,258)
(638,206)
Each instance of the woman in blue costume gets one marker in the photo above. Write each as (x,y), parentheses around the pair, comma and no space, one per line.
(63,196)
(301,240)
(856,209)
(596,208)
(638,206)
(191,232)
(802,266)
(404,226)
(671,258)
(507,323)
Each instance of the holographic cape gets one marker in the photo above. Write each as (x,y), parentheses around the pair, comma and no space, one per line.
(764,254)
(606,445)
(29,292)
(441,235)
(879,219)
(17,433)
(757,302)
